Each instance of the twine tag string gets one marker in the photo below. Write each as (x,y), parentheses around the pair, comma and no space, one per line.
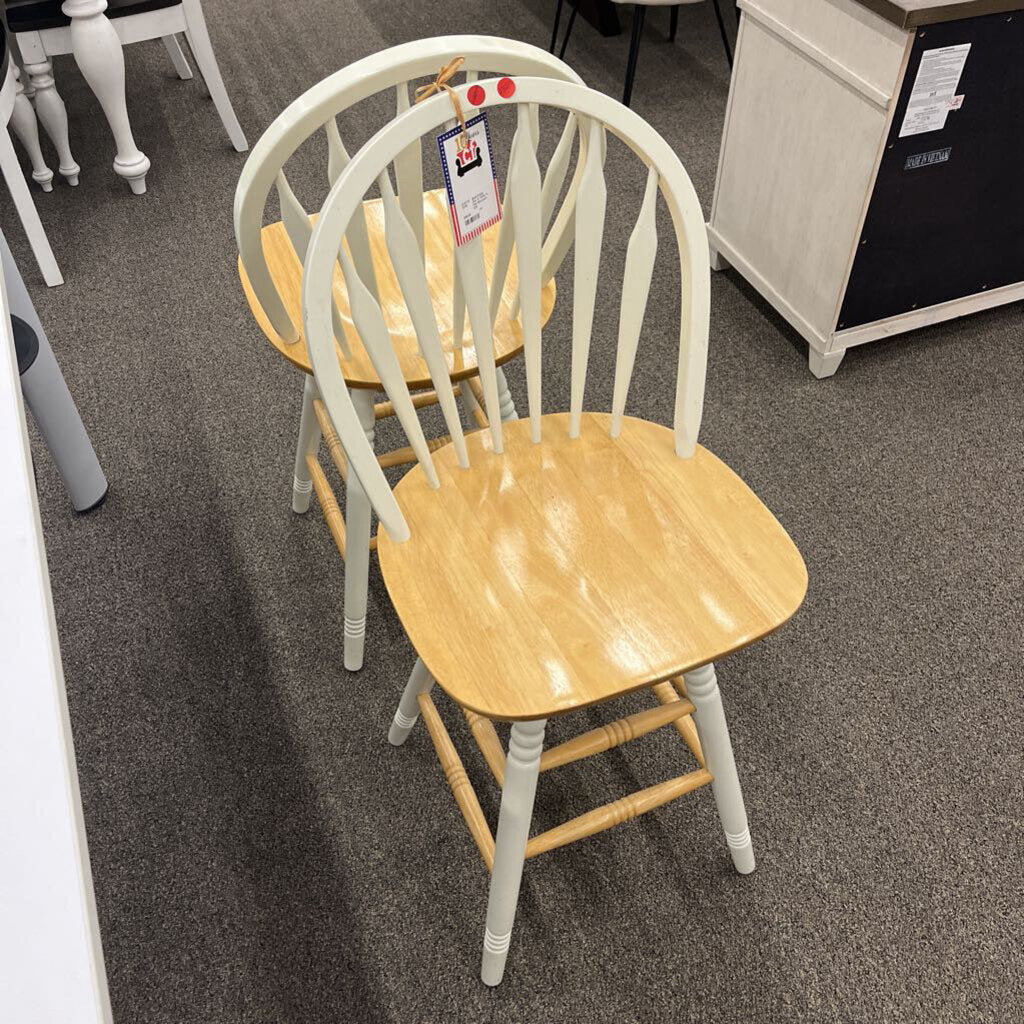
(440,84)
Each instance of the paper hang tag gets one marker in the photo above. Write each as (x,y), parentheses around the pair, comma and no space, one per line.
(470,178)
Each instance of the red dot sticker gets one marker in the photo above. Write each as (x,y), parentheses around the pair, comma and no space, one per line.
(476,95)
(506,87)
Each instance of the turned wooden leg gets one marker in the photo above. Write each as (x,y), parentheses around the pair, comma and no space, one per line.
(177,55)
(357,545)
(309,442)
(11,169)
(97,50)
(421,681)
(505,403)
(202,49)
(23,121)
(522,766)
(702,689)
(824,364)
(53,116)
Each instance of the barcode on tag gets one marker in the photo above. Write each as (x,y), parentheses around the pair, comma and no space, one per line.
(470,179)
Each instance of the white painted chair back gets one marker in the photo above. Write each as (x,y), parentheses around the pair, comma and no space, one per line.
(596,114)
(392,69)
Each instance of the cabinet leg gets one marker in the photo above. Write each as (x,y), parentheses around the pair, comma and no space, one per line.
(718,261)
(825,364)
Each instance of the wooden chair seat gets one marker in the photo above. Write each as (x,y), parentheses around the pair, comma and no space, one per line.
(563,574)
(286,269)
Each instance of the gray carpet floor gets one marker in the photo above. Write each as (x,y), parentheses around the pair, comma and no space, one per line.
(260,852)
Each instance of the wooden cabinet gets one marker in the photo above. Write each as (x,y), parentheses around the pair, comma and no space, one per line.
(869,178)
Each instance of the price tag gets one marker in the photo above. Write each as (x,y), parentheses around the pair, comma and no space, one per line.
(470,179)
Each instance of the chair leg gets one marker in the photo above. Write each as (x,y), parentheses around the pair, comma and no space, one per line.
(702,689)
(724,34)
(507,406)
(674,24)
(11,169)
(522,766)
(639,13)
(53,116)
(408,711)
(568,28)
(202,49)
(178,58)
(554,28)
(309,441)
(357,545)
(26,127)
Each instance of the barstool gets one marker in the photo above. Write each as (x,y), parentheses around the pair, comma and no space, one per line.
(639,13)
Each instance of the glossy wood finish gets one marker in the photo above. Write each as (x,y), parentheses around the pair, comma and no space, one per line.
(598,566)
(286,270)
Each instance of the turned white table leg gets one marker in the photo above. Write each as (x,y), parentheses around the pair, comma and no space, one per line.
(357,545)
(53,116)
(177,56)
(408,711)
(522,767)
(702,689)
(22,196)
(97,51)
(202,49)
(505,403)
(23,121)
(309,442)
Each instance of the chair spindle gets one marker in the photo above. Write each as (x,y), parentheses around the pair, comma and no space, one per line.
(409,174)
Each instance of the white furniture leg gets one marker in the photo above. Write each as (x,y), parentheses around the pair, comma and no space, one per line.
(718,261)
(23,121)
(702,689)
(505,403)
(97,50)
(11,169)
(52,116)
(309,442)
(522,766)
(177,56)
(357,545)
(824,364)
(408,711)
(199,39)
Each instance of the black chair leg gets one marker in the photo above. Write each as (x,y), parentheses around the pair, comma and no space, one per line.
(674,24)
(554,29)
(568,28)
(725,35)
(634,49)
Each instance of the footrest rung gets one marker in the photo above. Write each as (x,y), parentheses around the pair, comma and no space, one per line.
(331,438)
(328,503)
(668,695)
(486,737)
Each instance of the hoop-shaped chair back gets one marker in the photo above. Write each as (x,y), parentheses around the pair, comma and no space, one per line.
(596,114)
(317,108)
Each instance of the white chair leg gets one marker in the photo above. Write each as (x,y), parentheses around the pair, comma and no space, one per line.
(408,711)
(11,169)
(53,116)
(357,545)
(23,121)
(309,442)
(202,49)
(522,766)
(97,50)
(702,689)
(177,56)
(505,403)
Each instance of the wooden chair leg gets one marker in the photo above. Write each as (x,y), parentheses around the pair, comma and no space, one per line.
(408,711)
(309,442)
(178,58)
(568,28)
(522,768)
(508,407)
(554,28)
(674,24)
(702,689)
(202,50)
(357,545)
(639,12)
(724,34)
